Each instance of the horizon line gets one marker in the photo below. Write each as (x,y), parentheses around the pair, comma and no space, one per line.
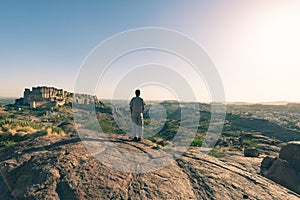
(275,102)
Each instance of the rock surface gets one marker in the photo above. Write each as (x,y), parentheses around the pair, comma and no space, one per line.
(62,168)
(286,169)
(238,160)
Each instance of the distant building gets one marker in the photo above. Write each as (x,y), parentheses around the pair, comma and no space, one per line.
(43,95)
(51,97)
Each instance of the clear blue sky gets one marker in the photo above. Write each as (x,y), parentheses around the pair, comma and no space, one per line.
(254,44)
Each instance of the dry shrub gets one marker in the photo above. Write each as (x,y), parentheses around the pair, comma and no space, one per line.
(21,134)
(223,149)
(6,127)
(55,131)
(16,129)
(27,129)
(49,131)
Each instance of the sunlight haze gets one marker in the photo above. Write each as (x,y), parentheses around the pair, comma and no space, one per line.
(254,44)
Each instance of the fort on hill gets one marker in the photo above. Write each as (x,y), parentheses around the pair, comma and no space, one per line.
(42,93)
(47,97)
(44,96)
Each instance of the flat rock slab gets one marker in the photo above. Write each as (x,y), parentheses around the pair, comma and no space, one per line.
(62,168)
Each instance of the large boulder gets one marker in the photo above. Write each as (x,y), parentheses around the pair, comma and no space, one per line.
(291,153)
(251,152)
(286,169)
(283,173)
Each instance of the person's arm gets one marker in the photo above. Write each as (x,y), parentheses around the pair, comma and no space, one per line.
(130,107)
(143,108)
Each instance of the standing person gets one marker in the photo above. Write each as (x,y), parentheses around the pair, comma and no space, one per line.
(136,110)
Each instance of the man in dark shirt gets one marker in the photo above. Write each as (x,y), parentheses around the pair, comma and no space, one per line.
(137,106)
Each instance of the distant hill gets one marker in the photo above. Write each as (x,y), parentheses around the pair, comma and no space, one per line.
(6,100)
(265,127)
(263,103)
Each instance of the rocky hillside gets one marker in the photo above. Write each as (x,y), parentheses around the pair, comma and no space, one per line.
(61,168)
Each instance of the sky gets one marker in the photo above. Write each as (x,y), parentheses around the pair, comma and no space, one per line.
(253,44)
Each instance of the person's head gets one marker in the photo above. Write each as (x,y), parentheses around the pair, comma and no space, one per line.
(137,93)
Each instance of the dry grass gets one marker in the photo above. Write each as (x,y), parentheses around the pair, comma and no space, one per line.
(53,131)
(17,129)
(20,129)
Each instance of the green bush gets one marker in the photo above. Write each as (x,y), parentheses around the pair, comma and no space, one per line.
(197,142)
(249,143)
(7,143)
(215,153)
(56,129)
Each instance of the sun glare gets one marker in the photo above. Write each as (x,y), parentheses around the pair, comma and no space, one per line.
(277,37)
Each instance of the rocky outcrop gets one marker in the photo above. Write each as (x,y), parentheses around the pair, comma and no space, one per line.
(286,169)
(251,152)
(291,154)
(268,146)
(283,173)
(61,168)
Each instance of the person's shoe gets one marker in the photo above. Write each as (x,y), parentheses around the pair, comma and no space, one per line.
(135,139)
(139,139)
